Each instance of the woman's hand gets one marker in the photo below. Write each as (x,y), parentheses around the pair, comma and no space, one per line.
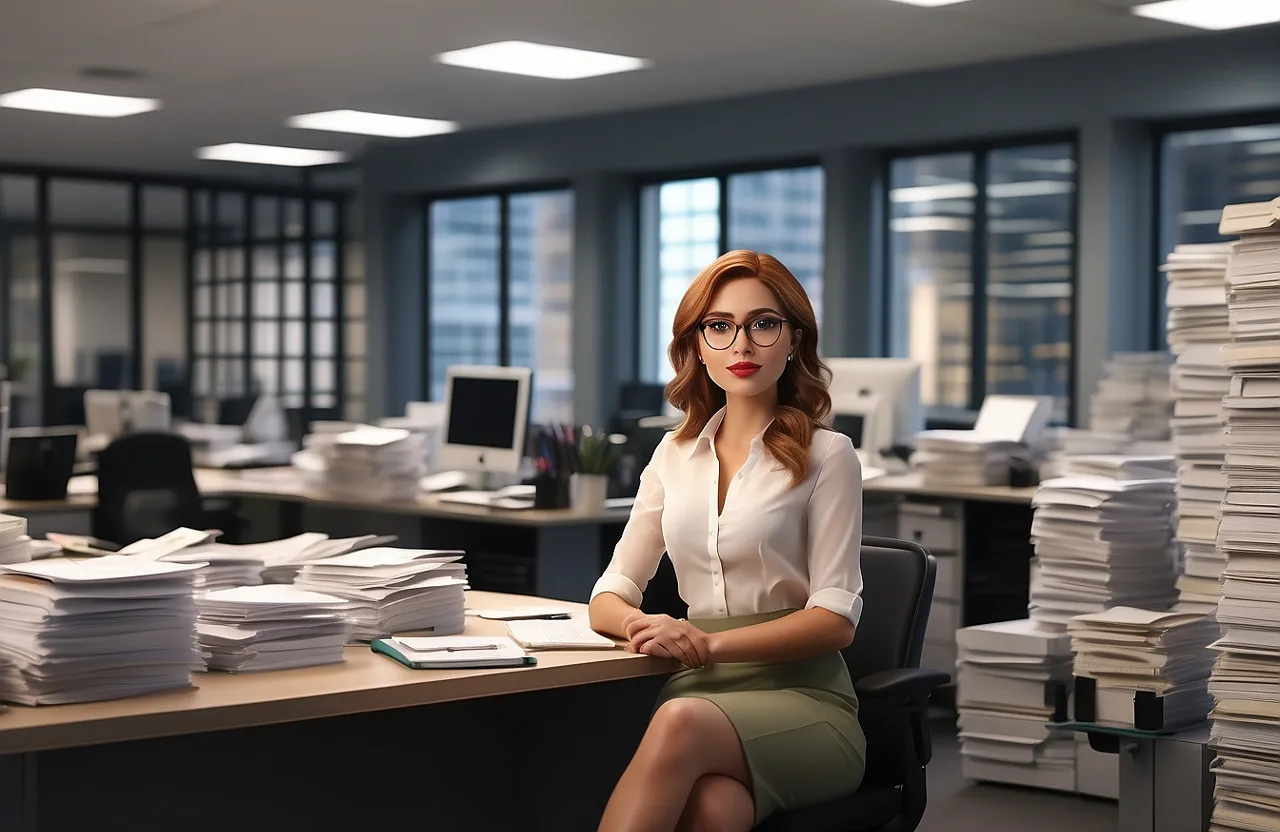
(666,637)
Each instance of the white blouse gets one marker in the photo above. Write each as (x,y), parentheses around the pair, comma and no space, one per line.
(775,547)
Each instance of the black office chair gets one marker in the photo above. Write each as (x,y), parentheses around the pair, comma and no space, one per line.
(893,693)
(147,488)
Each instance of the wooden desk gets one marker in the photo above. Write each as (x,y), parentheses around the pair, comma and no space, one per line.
(302,729)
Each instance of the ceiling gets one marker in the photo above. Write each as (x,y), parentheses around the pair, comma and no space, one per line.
(234,70)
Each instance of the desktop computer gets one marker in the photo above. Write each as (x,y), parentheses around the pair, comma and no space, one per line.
(486,417)
(876,402)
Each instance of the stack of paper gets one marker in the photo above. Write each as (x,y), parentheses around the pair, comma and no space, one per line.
(1245,682)
(15,545)
(1011,675)
(1101,542)
(963,458)
(272,562)
(1060,444)
(270,628)
(99,628)
(1197,330)
(394,590)
(1126,650)
(369,463)
(1133,397)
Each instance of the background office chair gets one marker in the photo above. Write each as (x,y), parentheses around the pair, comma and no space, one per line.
(893,693)
(147,488)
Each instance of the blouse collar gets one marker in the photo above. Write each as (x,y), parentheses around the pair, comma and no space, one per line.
(707,436)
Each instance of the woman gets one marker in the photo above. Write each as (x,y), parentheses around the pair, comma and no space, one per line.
(760,510)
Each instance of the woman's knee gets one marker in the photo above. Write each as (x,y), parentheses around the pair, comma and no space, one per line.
(679,726)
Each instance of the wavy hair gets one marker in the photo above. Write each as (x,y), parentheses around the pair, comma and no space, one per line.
(803,401)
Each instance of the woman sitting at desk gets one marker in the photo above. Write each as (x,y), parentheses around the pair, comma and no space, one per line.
(760,509)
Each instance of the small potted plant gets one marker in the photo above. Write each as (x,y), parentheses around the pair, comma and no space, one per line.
(589,486)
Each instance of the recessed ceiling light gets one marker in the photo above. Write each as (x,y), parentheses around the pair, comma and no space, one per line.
(372,124)
(77,103)
(1213,14)
(538,59)
(931,3)
(265,154)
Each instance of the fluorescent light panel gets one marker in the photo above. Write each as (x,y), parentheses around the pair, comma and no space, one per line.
(265,154)
(1213,14)
(540,60)
(372,124)
(77,103)
(931,3)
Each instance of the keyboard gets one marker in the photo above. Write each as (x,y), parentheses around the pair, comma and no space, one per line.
(561,634)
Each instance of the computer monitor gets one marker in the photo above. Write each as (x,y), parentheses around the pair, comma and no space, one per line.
(104,412)
(894,381)
(486,414)
(39,463)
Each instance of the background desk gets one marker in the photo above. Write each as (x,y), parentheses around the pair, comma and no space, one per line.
(350,746)
(553,554)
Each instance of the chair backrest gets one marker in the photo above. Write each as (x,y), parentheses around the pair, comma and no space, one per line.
(897,579)
(146,488)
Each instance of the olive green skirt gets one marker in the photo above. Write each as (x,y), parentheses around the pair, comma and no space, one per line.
(798,721)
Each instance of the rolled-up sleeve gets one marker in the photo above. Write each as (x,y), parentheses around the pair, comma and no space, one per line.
(639,550)
(835,533)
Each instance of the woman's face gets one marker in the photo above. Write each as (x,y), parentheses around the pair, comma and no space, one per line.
(744,338)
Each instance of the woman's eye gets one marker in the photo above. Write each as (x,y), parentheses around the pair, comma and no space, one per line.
(764,324)
(718,326)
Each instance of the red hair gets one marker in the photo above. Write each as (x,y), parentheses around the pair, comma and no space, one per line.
(803,401)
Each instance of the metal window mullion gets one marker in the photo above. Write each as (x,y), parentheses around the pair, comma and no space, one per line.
(978,280)
(308,274)
(722,207)
(425,346)
(340,305)
(246,248)
(137,338)
(44,248)
(504,280)
(189,259)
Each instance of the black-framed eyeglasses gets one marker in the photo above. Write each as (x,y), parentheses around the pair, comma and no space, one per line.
(763,331)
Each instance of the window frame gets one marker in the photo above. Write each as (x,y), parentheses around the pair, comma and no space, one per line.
(503,195)
(1160,131)
(980,150)
(722,174)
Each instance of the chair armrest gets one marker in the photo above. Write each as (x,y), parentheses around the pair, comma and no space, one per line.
(910,683)
(906,692)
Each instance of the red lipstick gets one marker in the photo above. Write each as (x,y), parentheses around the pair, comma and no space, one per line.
(743,369)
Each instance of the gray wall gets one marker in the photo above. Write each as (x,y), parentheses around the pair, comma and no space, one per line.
(1108,97)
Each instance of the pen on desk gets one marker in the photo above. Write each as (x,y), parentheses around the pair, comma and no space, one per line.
(458,649)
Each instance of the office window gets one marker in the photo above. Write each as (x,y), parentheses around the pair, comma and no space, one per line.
(1201,171)
(981,272)
(500,291)
(355,330)
(686,224)
(266,307)
(20,275)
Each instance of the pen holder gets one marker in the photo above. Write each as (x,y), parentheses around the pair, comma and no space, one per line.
(550,492)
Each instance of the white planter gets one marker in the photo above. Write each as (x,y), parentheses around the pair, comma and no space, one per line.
(587,492)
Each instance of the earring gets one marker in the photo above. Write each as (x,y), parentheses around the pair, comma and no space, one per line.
(791,356)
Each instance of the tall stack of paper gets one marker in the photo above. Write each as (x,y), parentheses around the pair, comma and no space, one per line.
(1102,541)
(394,590)
(270,627)
(99,628)
(272,562)
(1245,682)
(1133,397)
(1198,327)
(1010,677)
(1127,651)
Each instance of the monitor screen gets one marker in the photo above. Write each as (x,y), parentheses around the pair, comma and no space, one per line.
(851,426)
(482,412)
